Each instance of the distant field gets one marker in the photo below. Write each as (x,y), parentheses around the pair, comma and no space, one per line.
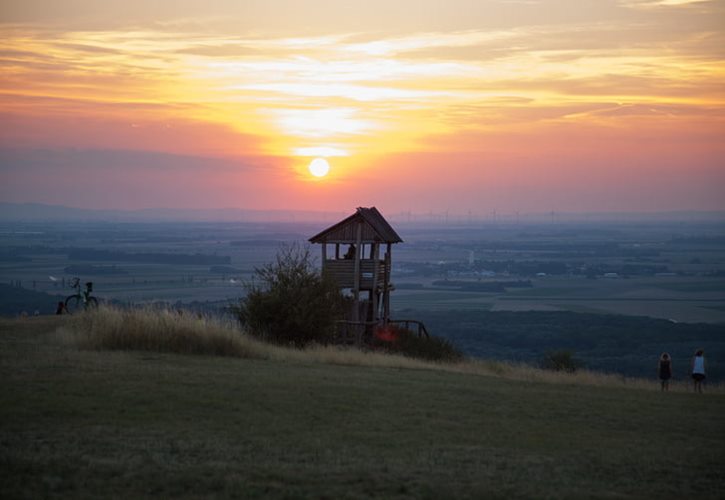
(670,271)
(686,299)
(79,424)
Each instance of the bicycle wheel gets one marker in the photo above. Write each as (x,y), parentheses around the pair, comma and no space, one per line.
(92,303)
(73,304)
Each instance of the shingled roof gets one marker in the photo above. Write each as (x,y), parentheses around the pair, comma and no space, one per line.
(374,229)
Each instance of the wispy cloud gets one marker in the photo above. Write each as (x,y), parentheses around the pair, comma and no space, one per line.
(645,4)
(477,99)
(347,88)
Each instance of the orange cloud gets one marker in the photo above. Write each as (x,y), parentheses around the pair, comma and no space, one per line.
(554,95)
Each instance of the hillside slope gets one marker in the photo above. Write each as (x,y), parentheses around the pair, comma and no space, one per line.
(83,424)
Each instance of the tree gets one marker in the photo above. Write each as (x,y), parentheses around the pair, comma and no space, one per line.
(290,302)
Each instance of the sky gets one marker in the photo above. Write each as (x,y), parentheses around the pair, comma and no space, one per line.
(456,106)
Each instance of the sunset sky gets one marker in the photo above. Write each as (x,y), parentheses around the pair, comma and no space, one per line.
(465,106)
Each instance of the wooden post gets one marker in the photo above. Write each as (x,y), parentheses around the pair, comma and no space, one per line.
(356,276)
(374,289)
(324,254)
(386,285)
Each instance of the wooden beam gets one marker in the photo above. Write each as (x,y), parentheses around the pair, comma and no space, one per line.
(386,286)
(374,291)
(356,277)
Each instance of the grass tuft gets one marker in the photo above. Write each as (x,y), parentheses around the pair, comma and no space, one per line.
(157,331)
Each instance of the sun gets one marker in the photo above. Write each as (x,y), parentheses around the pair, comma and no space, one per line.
(319,167)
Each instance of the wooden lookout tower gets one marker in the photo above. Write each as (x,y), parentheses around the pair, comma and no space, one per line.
(356,252)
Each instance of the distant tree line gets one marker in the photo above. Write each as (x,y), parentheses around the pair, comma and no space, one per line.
(148,257)
(10,257)
(522,268)
(629,345)
(90,269)
(224,270)
(566,249)
(482,286)
(622,269)
(699,240)
(259,243)
(530,268)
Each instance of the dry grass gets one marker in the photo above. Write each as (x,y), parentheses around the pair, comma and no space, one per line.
(159,331)
(167,331)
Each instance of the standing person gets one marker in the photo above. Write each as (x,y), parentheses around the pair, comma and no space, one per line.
(664,370)
(698,369)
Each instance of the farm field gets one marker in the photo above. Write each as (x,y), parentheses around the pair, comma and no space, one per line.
(483,272)
(678,298)
(670,271)
(45,258)
(78,424)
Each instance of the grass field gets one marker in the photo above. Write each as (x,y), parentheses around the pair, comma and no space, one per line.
(90,424)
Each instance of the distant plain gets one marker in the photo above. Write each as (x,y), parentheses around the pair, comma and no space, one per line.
(676,271)
(673,271)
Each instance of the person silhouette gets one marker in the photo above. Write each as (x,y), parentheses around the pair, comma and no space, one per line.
(698,370)
(664,370)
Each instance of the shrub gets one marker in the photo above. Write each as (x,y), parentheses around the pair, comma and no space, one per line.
(397,340)
(291,302)
(561,361)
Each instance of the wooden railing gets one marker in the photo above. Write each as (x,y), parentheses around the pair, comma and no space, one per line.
(361,332)
(418,326)
(343,271)
(354,332)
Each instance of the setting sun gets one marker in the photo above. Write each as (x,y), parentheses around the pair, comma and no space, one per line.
(319,167)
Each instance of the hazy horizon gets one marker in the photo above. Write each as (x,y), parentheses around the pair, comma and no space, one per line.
(467,107)
(39,212)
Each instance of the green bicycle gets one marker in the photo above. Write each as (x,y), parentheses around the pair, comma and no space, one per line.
(80,301)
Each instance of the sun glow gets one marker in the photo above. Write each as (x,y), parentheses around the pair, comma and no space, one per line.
(327,122)
(319,167)
(494,104)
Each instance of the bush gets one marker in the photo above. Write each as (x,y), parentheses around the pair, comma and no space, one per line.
(291,302)
(561,361)
(396,340)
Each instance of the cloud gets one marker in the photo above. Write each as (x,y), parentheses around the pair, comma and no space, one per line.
(50,161)
(133,179)
(519,77)
(649,4)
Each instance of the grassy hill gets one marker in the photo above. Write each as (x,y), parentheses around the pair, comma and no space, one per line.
(89,424)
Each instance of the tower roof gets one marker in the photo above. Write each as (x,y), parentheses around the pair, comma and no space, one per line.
(375,229)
